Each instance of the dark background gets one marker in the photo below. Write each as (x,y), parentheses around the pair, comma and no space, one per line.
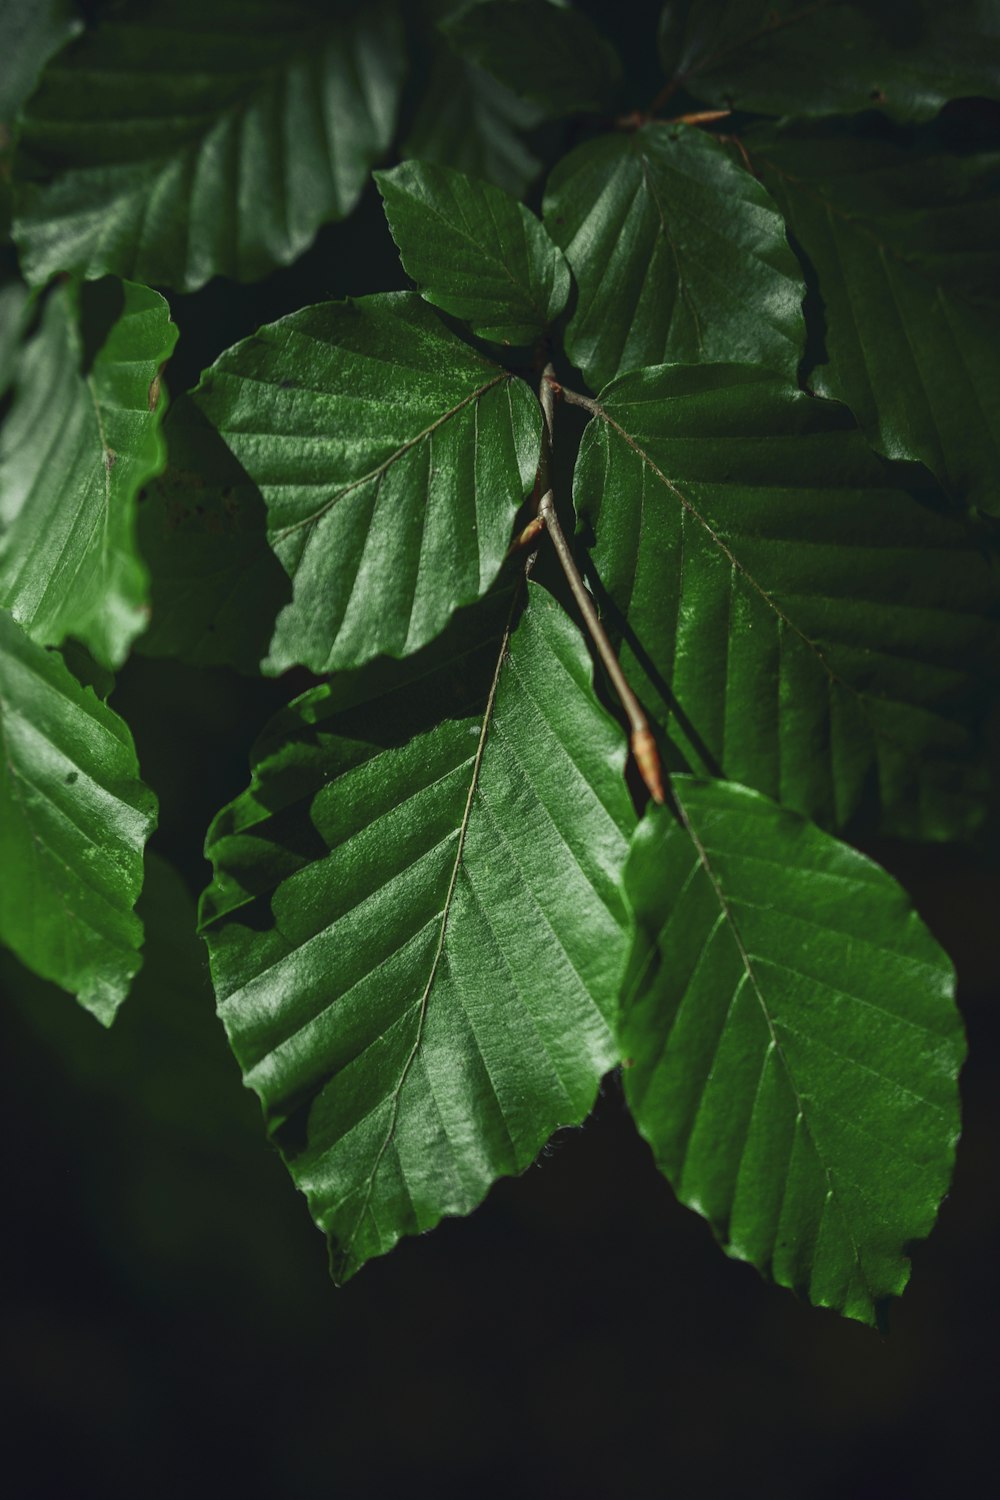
(168,1327)
(167,1323)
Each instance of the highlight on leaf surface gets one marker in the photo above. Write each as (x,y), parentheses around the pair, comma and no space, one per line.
(74,819)
(794,1043)
(416,928)
(392,459)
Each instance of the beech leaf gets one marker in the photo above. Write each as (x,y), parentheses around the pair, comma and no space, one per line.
(906,252)
(74,819)
(679,256)
(416,929)
(475,252)
(799,619)
(550,55)
(392,459)
(214,141)
(833,57)
(82,437)
(793,1043)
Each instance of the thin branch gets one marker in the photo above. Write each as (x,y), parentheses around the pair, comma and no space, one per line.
(642,740)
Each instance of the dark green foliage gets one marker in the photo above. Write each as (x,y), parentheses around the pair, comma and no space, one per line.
(444,908)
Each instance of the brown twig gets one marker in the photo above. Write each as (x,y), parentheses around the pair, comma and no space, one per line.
(642,740)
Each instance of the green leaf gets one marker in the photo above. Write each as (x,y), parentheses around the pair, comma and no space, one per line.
(905,248)
(833,57)
(209,139)
(30,32)
(475,252)
(416,932)
(392,458)
(552,56)
(216,586)
(802,622)
(794,1043)
(679,256)
(73,822)
(15,308)
(82,436)
(465,119)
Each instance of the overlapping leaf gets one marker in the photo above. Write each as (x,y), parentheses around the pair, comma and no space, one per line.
(679,256)
(548,54)
(793,1040)
(82,436)
(179,141)
(905,248)
(30,32)
(803,622)
(416,930)
(467,120)
(475,252)
(831,57)
(392,458)
(73,822)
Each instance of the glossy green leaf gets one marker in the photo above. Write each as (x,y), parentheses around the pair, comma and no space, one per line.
(800,620)
(467,120)
(553,56)
(416,930)
(179,141)
(833,57)
(215,585)
(793,1041)
(82,436)
(30,32)
(74,818)
(906,251)
(679,256)
(475,252)
(392,458)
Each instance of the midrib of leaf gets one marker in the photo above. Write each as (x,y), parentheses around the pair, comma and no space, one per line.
(442,930)
(682,286)
(387,463)
(107,459)
(733,927)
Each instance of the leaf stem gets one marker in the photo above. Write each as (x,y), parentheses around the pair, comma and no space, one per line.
(642,740)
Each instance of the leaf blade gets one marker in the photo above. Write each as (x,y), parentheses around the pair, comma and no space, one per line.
(475,914)
(403,513)
(475,252)
(833,58)
(80,441)
(779,982)
(74,818)
(549,55)
(792,643)
(678,255)
(175,169)
(905,249)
